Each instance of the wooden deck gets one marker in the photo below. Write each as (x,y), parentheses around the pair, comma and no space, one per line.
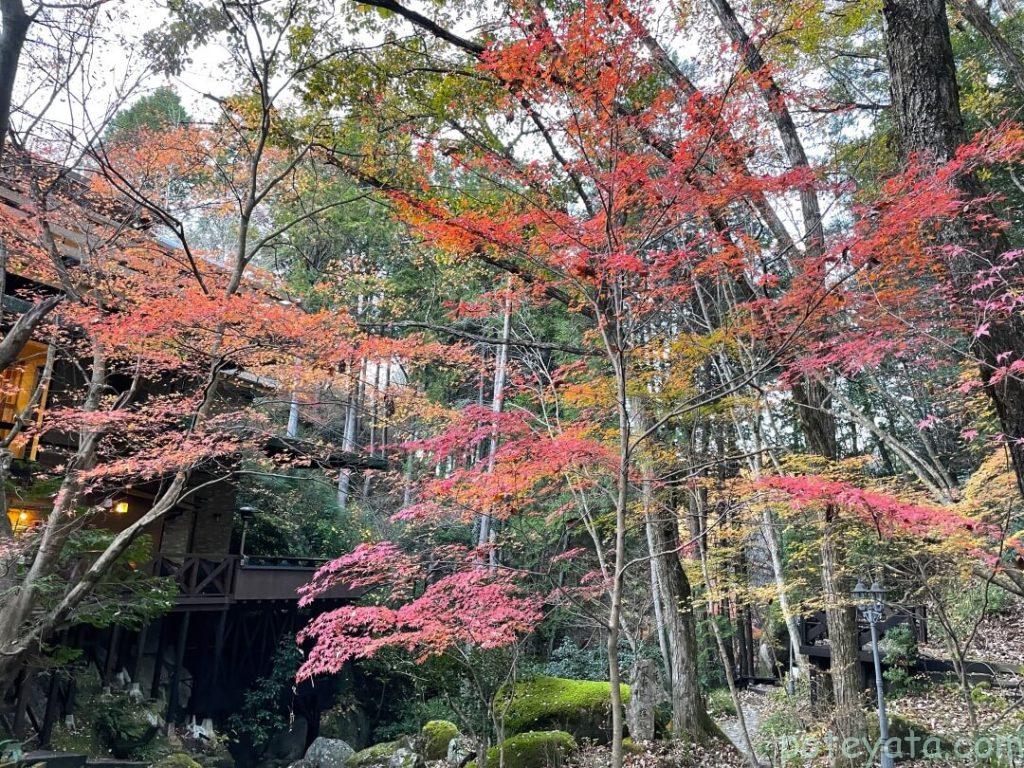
(214,582)
(814,631)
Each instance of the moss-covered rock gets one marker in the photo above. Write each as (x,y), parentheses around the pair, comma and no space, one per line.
(434,738)
(176,760)
(630,747)
(378,754)
(579,707)
(534,749)
(911,739)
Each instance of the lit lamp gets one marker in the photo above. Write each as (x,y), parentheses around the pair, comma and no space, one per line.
(870,601)
(121,507)
(20,520)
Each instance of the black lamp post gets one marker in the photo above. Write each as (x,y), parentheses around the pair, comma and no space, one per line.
(870,601)
(247,514)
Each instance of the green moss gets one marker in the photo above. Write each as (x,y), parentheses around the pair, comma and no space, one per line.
(375,755)
(177,760)
(80,740)
(534,749)
(720,703)
(435,736)
(580,707)
(630,747)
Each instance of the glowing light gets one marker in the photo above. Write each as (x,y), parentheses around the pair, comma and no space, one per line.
(121,507)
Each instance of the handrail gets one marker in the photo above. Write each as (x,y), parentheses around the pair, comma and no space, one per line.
(198,575)
(202,577)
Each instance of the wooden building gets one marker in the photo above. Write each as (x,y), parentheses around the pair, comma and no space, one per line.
(231,611)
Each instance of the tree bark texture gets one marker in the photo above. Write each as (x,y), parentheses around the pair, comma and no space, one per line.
(926,106)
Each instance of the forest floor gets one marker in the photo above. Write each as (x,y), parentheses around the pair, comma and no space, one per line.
(936,714)
(753,701)
(663,754)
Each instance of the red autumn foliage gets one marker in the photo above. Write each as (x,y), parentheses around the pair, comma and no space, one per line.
(467,605)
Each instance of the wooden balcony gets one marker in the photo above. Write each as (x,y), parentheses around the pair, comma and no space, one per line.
(213,582)
(814,630)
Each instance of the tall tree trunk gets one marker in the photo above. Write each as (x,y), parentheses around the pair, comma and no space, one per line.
(487,532)
(674,608)
(817,422)
(926,105)
(848,721)
(619,362)
(730,678)
(348,439)
(657,592)
(15,23)
(689,712)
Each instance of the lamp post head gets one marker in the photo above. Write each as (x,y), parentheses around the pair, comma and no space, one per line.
(247,513)
(860,591)
(870,600)
(877,592)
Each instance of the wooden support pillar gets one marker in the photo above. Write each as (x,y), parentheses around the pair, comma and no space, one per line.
(140,651)
(218,647)
(50,713)
(109,661)
(158,661)
(69,697)
(21,704)
(179,657)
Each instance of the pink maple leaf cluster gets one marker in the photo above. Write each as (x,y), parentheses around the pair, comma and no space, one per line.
(471,606)
(887,514)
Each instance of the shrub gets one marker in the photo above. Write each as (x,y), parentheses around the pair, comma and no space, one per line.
(901,657)
(580,707)
(720,703)
(781,722)
(266,704)
(534,749)
(411,715)
(123,726)
(435,737)
(570,660)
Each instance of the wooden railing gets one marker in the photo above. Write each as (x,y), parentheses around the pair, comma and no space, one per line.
(814,628)
(282,561)
(210,580)
(204,577)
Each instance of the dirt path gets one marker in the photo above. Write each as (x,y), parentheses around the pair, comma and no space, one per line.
(752,712)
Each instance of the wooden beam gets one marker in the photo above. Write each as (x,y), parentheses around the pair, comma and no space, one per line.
(158,662)
(179,658)
(50,713)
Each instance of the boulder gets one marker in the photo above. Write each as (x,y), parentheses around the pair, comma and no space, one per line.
(644,693)
(288,746)
(581,708)
(534,749)
(328,753)
(302,763)
(377,755)
(460,749)
(403,757)
(435,737)
(349,722)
